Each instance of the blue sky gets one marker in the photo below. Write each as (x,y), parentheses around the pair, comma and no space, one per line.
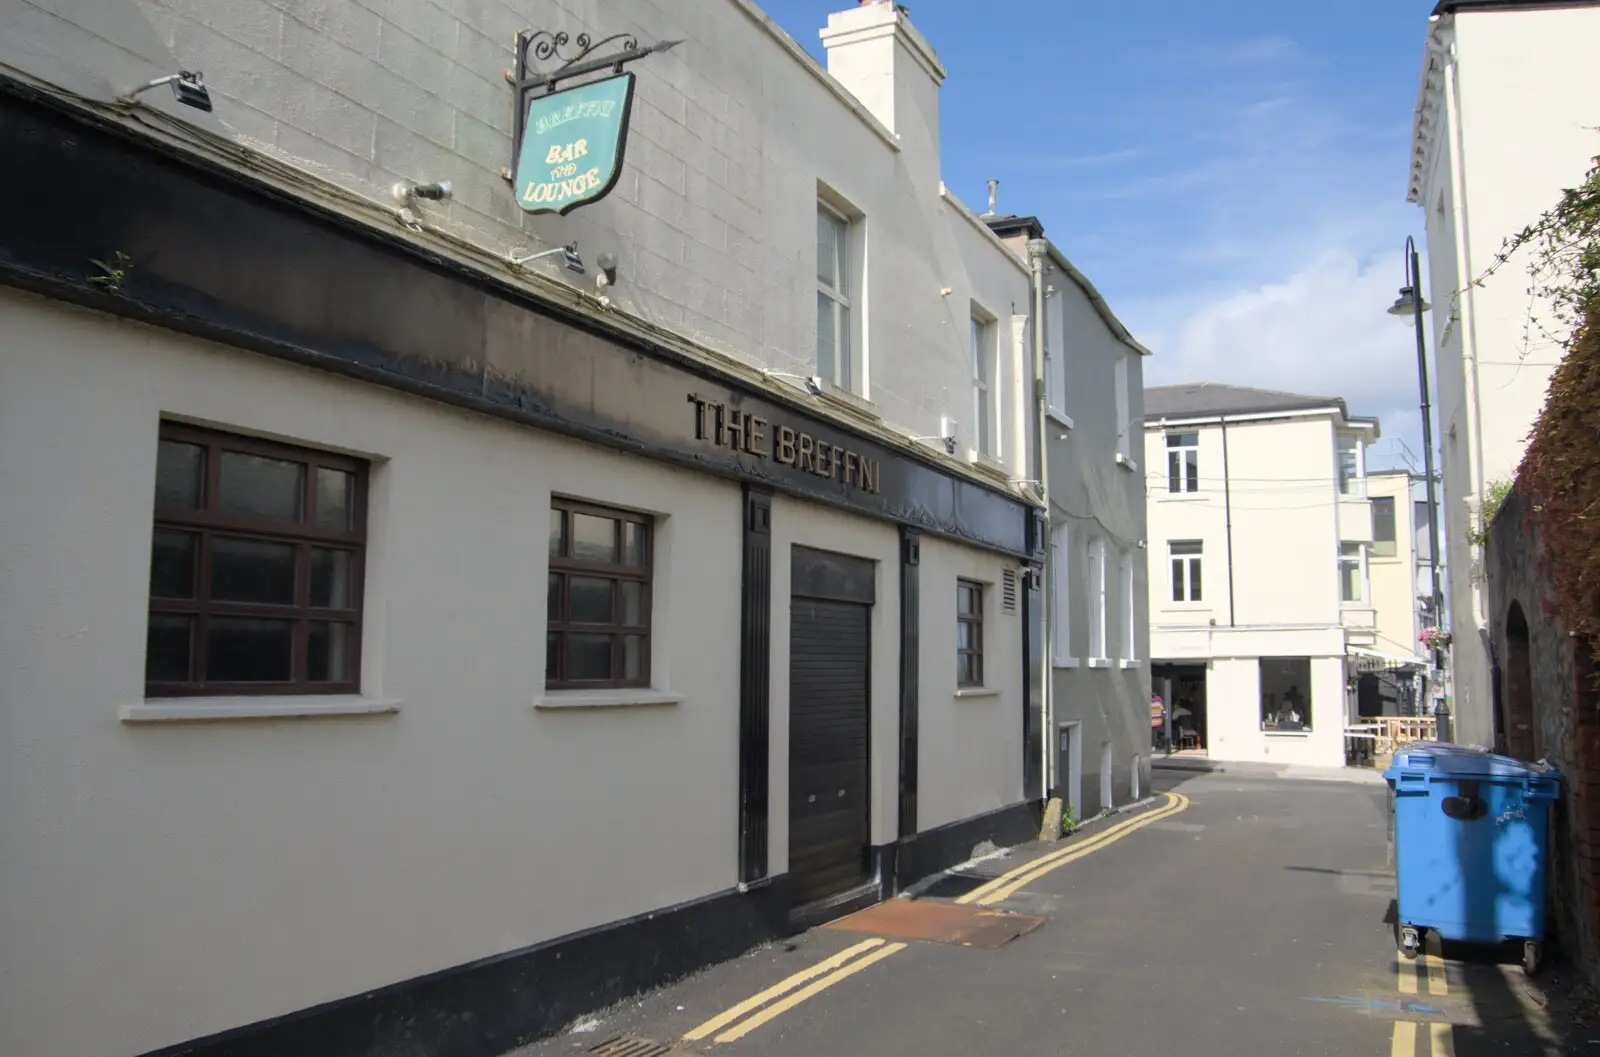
(1231,175)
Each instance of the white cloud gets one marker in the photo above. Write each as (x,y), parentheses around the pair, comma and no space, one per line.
(1323,331)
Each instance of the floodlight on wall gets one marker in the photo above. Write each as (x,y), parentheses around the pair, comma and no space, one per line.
(811,382)
(569,257)
(948,434)
(189,86)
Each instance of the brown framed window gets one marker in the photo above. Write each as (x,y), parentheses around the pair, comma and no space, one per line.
(969,633)
(599,598)
(255,567)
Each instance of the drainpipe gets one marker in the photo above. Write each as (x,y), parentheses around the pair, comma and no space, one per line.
(1227,516)
(1037,249)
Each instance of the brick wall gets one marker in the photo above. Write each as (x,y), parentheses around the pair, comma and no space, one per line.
(1544,675)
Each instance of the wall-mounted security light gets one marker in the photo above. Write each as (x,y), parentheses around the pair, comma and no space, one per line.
(811,382)
(189,86)
(569,257)
(438,191)
(607,263)
(948,434)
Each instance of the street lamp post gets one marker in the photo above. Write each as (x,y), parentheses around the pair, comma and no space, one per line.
(1410,303)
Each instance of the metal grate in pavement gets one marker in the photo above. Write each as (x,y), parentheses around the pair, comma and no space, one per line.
(631,1046)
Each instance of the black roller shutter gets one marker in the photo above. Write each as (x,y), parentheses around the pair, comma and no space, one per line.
(828,710)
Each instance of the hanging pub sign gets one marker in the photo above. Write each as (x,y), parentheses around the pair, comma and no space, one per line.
(568,144)
(572,145)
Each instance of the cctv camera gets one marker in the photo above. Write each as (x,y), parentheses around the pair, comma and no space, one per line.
(435,192)
(949,445)
(813,386)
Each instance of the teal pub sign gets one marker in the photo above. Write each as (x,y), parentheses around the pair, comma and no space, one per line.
(572,145)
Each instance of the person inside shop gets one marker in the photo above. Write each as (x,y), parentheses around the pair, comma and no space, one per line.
(1290,716)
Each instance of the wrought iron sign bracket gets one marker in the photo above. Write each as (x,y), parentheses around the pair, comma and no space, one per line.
(536,51)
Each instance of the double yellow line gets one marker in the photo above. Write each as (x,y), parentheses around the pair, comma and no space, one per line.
(842,965)
(1441,1041)
(1007,884)
(739,1020)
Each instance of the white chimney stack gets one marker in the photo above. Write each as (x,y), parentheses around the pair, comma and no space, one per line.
(880,58)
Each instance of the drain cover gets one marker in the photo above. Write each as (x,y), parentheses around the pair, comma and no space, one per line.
(629,1046)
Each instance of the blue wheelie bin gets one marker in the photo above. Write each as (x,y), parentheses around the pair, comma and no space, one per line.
(1472,847)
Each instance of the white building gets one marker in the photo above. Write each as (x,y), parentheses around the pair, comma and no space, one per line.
(1505,119)
(1261,525)
(408,645)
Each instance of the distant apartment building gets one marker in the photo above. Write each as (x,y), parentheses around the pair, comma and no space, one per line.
(1266,605)
(1505,119)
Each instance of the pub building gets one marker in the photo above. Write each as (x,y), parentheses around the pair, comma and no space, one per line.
(408,649)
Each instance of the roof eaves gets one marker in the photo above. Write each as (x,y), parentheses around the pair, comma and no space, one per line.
(1099,302)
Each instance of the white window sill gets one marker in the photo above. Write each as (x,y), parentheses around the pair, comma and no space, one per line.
(988,463)
(848,399)
(190,709)
(978,691)
(1127,463)
(626,698)
(1099,662)
(1180,497)
(1065,662)
(1131,663)
(1060,417)
(1287,733)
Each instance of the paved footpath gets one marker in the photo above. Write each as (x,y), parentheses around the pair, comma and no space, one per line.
(1235,916)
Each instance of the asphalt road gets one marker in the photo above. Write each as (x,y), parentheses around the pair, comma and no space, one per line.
(1234,916)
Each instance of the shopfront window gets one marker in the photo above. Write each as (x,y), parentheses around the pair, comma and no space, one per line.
(1286,693)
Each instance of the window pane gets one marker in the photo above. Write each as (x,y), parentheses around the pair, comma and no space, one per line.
(590,600)
(634,551)
(965,637)
(553,608)
(248,650)
(330,578)
(827,339)
(1383,519)
(172,563)
(1350,581)
(179,472)
(1174,477)
(1177,580)
(964,669)
(981,415)
(830,241)
(1185,546)
(633,655)
(556,536)
(328,652)
(252,571)
(336,498)
(1191,462)
(588,657)
(594,539)
(633,604)
(1194,580)
(167,648)
(552,655)
(258,487)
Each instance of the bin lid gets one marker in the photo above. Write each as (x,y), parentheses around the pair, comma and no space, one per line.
(1432,757)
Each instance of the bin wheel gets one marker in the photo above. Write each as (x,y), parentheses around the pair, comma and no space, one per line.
(1532,956)
(1410,941)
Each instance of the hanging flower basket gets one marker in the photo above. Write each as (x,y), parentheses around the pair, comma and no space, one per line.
(1435,639)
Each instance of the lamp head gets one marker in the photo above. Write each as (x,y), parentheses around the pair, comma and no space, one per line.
(1406,304)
